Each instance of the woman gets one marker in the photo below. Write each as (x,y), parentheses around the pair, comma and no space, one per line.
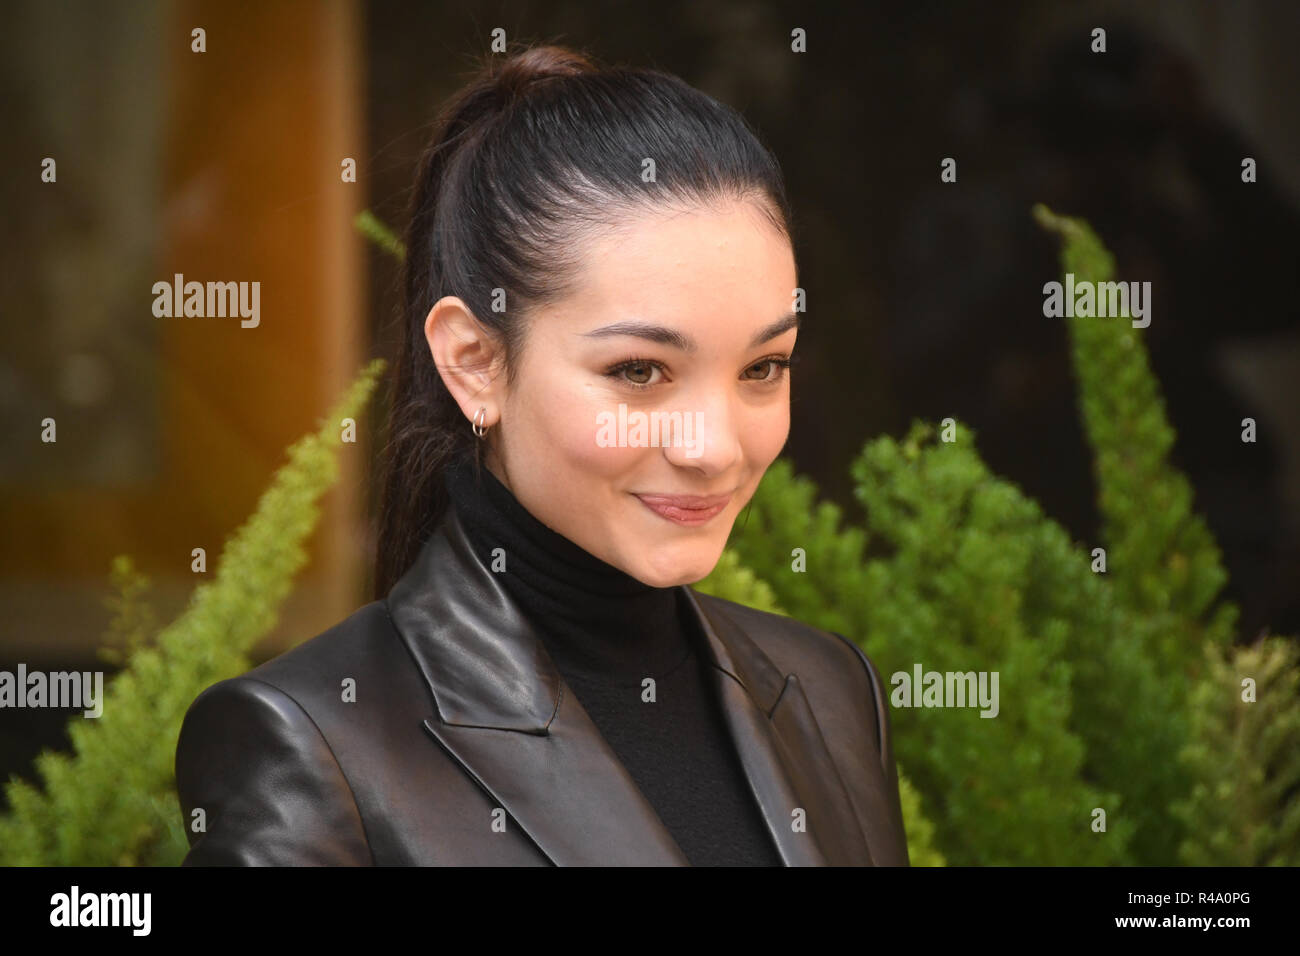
(592,381)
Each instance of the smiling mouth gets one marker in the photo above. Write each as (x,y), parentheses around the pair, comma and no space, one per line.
(686,509)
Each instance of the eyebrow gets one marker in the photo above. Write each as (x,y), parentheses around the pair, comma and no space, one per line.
(666,336)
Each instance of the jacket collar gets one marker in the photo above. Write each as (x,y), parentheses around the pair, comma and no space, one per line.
(552,770)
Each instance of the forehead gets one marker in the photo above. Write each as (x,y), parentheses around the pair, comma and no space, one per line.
(681,267)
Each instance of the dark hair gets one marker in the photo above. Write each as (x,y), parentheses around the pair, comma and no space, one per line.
(538,152)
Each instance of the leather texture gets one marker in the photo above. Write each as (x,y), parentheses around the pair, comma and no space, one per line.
(465,747)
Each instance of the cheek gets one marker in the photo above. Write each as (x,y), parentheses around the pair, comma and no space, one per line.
(562,435)
(765,435)
(764,438)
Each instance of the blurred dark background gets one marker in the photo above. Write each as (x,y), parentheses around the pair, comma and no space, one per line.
(924,298)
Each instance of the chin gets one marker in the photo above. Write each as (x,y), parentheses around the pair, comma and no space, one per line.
(687,570)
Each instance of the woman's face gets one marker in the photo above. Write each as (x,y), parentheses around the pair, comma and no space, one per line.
(660,377)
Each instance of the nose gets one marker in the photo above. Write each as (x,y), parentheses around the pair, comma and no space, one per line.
(709,439)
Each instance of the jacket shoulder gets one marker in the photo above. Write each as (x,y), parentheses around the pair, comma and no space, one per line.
(268,786)
(263,754)
(799,647)
(301,670)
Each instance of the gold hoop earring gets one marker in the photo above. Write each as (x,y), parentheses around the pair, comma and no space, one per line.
(479,429)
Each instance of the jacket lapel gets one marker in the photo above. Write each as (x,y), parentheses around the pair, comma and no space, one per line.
(782,749)
(506,715)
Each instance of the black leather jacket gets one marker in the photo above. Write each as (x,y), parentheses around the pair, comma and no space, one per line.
(464,746)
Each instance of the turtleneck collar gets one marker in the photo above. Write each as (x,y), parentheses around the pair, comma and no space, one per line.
(597,621)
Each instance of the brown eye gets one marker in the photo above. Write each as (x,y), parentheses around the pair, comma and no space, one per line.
(636,372)
(780,363)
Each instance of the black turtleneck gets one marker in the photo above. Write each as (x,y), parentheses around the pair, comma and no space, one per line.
(606,632)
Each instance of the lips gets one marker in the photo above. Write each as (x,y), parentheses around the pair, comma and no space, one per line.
(686,509)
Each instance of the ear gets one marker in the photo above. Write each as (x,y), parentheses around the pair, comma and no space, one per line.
(468,357)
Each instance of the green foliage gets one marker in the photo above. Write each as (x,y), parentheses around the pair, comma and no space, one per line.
(1163,565)
(369,225)
(112,801)
(958,594)
(921,848)
(1163,559)
(1244,808)
(133,621)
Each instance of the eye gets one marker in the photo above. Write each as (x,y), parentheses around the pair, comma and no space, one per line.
(636,372)
(773,367)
